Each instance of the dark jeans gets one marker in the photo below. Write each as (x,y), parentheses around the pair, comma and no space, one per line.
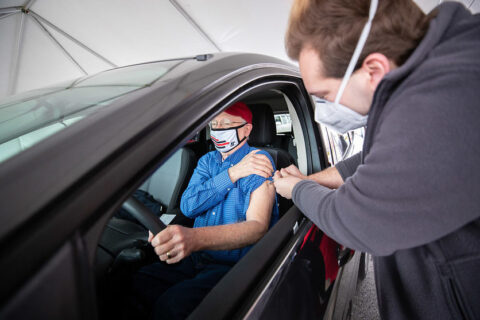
(174,291)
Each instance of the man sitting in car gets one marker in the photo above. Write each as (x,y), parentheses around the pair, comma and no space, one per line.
(233,204)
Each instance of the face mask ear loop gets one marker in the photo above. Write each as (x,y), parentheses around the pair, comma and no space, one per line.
(236,131)
(238,138)
(358,50)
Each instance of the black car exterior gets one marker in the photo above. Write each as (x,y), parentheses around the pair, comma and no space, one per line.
(57,196)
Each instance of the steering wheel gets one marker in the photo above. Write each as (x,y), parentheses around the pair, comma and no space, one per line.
(146,217)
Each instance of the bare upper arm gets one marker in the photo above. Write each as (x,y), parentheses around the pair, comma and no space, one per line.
(261,204)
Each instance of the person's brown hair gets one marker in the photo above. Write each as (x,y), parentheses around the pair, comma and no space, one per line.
(332,28)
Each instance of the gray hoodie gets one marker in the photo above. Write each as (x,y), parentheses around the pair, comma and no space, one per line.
(412,199)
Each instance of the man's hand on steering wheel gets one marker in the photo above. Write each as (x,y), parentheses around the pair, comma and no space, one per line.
(173,243)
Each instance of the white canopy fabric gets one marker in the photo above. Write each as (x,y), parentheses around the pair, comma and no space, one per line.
(48,41)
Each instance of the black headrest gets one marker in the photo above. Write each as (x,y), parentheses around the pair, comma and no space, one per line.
(264,129)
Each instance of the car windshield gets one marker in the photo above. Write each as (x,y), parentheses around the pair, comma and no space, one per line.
(30,117)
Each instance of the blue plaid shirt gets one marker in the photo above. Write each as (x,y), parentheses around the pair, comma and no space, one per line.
(212,199)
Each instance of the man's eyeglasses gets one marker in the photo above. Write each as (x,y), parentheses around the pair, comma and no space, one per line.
(225,123)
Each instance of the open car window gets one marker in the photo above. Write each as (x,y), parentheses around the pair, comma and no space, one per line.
(123,242)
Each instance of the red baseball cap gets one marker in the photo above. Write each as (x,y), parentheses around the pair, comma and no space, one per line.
(240,109)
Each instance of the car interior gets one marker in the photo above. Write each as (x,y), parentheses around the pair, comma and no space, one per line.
(123,247)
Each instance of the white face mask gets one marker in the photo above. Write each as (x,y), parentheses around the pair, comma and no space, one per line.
(338,117)
(226,139)
(333,114)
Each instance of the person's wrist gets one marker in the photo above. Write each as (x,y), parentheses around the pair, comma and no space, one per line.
(294,186)
(232,174)
(195,240)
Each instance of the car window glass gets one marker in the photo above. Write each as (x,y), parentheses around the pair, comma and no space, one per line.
(11,147)
(35,120)
(28,95)
(31,117)
(283,123)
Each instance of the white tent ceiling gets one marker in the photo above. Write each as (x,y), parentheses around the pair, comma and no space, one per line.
(57,40)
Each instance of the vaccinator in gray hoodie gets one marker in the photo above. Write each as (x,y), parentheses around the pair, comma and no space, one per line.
(412,199)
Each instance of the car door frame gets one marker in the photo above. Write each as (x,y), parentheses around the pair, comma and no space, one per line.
(74,219)
(244,290)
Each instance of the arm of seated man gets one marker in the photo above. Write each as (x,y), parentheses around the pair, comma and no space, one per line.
(180,241)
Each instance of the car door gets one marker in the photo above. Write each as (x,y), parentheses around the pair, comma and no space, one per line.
(61,192)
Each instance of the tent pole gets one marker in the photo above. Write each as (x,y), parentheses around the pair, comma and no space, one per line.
(29,4)
(72,38)
(7,15)
(16,57)
(42,27)
(193,23)
(10,10)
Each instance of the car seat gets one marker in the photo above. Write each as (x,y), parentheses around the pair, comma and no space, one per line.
(262,137)
(168,182)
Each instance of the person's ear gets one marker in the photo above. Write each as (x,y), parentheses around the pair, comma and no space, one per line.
(248,129)
(376,65)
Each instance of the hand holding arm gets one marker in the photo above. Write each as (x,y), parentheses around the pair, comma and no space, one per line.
(285,179)
(332,177)
(284,183)
(252,163)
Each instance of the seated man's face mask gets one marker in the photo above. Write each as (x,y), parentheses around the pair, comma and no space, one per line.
(226,139)
(333,114)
